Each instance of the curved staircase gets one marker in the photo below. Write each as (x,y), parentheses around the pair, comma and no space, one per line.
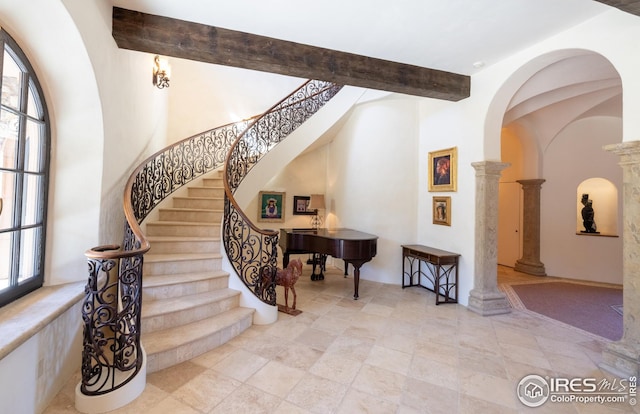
(188,307)
(139,319)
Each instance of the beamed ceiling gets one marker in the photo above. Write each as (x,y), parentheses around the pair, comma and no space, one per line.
(161,27)
(178,38)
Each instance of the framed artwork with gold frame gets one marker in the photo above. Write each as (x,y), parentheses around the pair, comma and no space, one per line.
(442,211)
(271,206)
(443,170)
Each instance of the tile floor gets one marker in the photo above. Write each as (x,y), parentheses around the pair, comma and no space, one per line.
(391,351)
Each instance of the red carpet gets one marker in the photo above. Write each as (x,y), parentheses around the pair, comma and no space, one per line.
(588,307)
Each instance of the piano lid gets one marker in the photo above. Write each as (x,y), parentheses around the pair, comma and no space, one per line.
(339,233)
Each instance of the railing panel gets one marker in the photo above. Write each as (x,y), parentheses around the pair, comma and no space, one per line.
(251,250)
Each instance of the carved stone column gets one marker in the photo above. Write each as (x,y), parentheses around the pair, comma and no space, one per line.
(622,358)
(530,261)
(485,298)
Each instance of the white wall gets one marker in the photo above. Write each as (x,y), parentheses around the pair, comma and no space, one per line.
(33,374)
(576,155)
(454,125)
(372,180)
(303,176)
(204,96)
(46,32)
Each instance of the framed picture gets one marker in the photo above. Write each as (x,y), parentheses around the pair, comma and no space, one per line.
(271,206)
(442,210)
(443,170)
(301,205)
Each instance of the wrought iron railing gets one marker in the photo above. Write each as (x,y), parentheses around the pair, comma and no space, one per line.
(111,354)
(253,251)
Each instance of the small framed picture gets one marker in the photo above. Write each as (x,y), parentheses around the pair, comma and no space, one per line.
(442,211)
(443,170)
(301,205)
(271,206)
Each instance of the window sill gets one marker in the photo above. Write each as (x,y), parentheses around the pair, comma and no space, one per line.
(22,319)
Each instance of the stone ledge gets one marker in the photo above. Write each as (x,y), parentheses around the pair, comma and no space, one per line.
(22,319)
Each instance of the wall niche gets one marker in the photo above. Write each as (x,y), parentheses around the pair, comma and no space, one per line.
(601,195)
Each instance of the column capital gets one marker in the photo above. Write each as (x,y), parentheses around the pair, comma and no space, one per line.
(630,148)
(489,167)
(534,182)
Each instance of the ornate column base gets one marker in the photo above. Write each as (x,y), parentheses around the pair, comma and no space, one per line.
(621,359)
(530,268)
(488,303)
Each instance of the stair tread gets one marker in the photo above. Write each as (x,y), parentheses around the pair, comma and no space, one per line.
(181,238)
(183,223)
(198,198)
(159,341)
(173,279)
(217,210)
(171,257)
(164,306)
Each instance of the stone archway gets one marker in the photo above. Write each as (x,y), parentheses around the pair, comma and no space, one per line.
(521,95)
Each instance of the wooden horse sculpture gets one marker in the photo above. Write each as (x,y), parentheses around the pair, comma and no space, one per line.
(287,278)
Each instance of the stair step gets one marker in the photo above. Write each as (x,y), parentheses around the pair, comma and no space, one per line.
(182,228)
(205,192)
(213,182)
(181,263)
(175,345)
(190,215)
(169,257)
(169,286)
(166,313)
(199,202)
(183,244)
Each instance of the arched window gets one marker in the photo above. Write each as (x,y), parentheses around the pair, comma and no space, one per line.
(24,174)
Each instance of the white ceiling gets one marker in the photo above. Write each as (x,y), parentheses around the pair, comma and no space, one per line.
(448,35)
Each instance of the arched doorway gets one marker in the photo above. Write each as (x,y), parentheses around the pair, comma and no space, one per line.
(539,101)
(554,128)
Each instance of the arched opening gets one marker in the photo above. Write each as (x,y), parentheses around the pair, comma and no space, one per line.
(556,118)
(554,128)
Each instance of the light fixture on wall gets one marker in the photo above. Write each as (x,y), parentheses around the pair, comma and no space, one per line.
(160,73)
(316,203)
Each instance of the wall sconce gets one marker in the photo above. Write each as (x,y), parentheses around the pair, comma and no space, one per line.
(316,203)
(160,73)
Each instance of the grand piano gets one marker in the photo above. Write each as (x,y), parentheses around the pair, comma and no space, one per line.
(352,246)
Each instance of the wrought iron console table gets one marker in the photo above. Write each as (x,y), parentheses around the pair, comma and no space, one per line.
(440,270)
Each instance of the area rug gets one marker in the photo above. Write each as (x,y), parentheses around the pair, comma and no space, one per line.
(586,306)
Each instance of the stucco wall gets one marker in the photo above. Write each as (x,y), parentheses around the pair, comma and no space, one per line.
(574,156)
(372,179)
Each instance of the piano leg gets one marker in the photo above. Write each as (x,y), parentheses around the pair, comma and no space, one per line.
(319,260)
(356,275)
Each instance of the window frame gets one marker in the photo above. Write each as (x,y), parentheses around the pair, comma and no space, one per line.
(29,88)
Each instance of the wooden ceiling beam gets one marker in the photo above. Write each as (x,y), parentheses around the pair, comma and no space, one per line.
(187,40)
(629,6)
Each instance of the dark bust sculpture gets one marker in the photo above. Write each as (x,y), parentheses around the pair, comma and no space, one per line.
(588,215)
